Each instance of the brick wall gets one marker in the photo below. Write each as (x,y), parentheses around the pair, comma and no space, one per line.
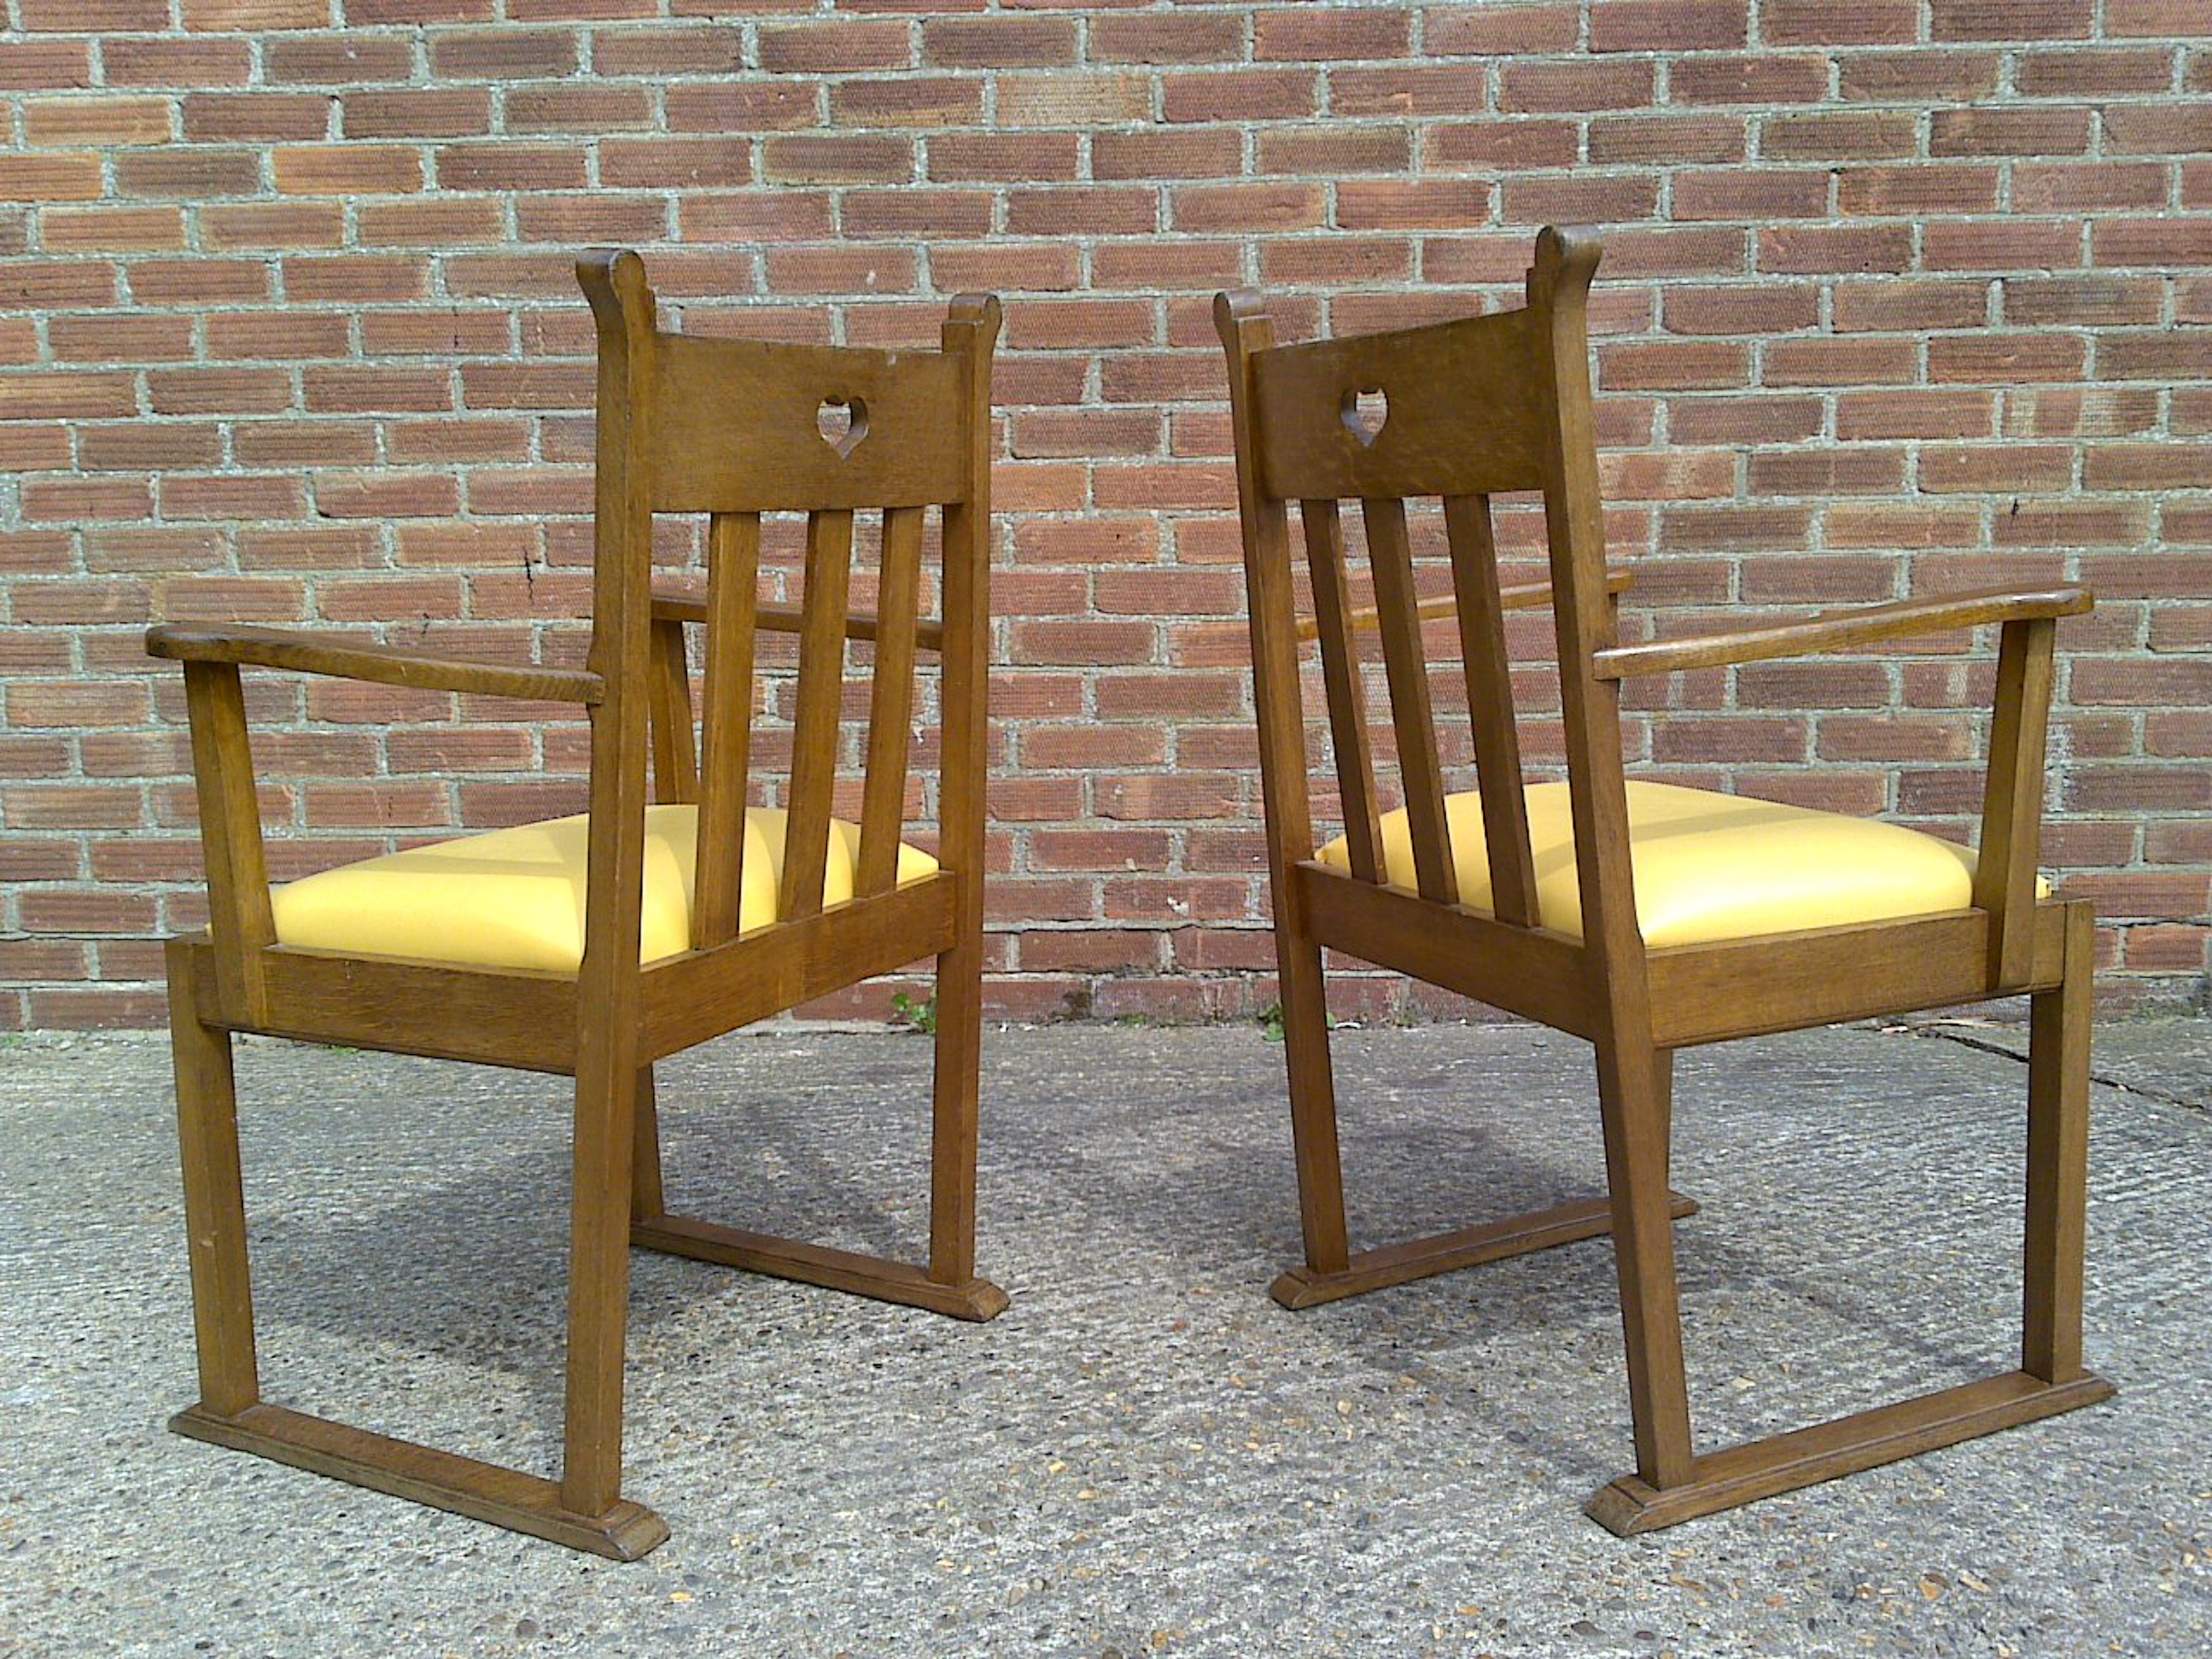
(1899,294)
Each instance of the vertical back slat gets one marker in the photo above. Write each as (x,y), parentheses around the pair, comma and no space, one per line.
(1347,696)
(733,579)
(1399,618)
(674,761)
(1490,709)
(814,724)
(891,703)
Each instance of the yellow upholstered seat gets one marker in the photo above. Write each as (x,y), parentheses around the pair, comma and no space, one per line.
(514,898)
(1709,866)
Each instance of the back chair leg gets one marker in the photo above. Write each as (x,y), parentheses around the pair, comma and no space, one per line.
(646,1200)
(1332,1271)
(1313,1114)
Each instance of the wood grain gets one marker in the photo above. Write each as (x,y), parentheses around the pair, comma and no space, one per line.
(1482,440)
(1489,670)
(1841,630)
(891,704)
(675,604)
(1344,686)
(814,719)
(1407,671)
(773,393)
(380,664)
(733,584)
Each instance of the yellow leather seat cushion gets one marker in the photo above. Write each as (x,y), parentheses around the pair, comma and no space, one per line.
(514,898)
(1709,866)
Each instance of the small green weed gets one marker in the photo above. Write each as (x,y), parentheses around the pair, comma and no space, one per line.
(918,1015)
(1269,1019)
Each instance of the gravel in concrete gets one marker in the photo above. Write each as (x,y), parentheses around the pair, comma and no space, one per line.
(1145,1456)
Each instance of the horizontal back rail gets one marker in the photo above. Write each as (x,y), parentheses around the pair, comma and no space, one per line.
(672,606)
(739,427)
(1462,415)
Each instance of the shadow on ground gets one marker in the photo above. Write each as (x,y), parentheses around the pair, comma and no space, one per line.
(1143,1454)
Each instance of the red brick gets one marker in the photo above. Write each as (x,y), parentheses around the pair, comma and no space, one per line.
(2010,20)
(998,41)
(1667,24)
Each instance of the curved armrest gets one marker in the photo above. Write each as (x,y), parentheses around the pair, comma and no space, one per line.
(278,648)
(1837,631)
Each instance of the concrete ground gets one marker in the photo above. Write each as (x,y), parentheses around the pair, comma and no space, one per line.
(1145,1456)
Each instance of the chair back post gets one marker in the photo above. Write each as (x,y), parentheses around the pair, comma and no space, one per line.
(1246,330)
(969,334)
(1582,617)
(609,1000)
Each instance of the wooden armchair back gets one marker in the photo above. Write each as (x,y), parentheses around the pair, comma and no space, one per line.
(735,430)
(1461,411)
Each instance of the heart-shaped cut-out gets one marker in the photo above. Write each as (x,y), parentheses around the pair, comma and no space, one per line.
(1364,411)
(843,423)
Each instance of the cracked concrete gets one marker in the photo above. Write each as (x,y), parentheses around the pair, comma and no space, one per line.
(1144,1455)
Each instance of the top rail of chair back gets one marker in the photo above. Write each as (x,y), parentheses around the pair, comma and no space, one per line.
(1460,411)
(748,426)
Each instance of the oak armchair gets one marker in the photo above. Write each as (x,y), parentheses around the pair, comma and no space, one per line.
(1639,916)
(592,946)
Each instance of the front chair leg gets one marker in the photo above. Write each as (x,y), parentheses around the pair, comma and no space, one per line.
(1635,1095)
(215,1202)
(2051,1379)
(230,1412)
(599,1285)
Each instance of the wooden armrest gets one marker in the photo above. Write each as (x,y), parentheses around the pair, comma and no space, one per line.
(1521,596)
(278,647)
(677,604)
(1837,631)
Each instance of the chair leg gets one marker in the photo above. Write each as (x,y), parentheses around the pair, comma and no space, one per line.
(1635,1094)
(2051,1379)
(1313,1115)
(599,1285)
(215,1201)
(2058,1162)
(1320,1177)
(948,1285)
(646,1200)
(957,1070)
(230,1412)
